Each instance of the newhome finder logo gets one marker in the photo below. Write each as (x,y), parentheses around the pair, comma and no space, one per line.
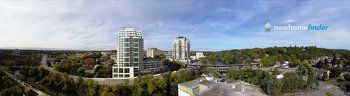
(289,27)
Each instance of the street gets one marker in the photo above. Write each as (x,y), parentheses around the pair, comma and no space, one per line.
(40,93)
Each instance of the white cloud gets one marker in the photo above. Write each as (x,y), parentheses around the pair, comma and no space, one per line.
(290,21)
(51,24)
(93,24)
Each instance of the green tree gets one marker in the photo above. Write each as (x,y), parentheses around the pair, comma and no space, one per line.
(325,76)
(91,87)
(304,68)
(347,76)
(215,73)
(335,72)
(275,71)
(292,82)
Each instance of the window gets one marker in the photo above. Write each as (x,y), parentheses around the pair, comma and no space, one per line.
(135,49)
(136,45)
(127,71)
(127,75)
(126,39)
(135,40)
(115,70)
(115,75)
(126,44)
(126,59)
(126,64)
(120,70)
(120,75)
(126,54)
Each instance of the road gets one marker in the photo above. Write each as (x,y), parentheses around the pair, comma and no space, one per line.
(40,93)
(46,67)
(44,63)
(325,87)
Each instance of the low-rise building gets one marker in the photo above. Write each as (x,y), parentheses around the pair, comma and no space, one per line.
(153,65)
(208,87)
(153,52)
(169,56)
(198,56)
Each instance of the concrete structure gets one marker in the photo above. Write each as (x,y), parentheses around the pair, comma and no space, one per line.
(207,87)
(189,88)
(130,54)
(181,50)
(152,52)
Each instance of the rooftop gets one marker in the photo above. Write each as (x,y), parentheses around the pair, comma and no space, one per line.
(206,82)
(238,88)
(191,84)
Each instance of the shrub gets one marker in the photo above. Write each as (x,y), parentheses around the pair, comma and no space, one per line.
(347,76)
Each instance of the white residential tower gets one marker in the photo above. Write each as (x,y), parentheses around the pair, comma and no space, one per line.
(130,54)
(181,50)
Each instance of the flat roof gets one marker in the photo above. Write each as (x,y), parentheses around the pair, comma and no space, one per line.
(191,84)
(206,82)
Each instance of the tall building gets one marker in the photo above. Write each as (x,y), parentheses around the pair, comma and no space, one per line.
(181,49)
(152,52)
(130,54)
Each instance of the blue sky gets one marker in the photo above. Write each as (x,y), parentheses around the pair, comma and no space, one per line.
(209,24)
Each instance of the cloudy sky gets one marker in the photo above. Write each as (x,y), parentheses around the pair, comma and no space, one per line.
(209,24)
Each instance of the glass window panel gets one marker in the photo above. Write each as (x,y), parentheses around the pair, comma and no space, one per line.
(120,70)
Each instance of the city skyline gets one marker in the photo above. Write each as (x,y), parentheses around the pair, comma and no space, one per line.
(210,25)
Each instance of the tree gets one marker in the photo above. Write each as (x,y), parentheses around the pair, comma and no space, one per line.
(90,62)
(335,72)
(215,73)
(81,71)
(312,81)
(91,87)
(347,76)
(335,60)
(275,71)
(79,85)
(304,68)
(325,76)
(320,64)
(104,90)
(292,82)
(233,74)
(110,62)
(122,89)
(172,66)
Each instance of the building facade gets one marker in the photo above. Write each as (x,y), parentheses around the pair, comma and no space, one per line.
(153,65)
(152,52)
(129,54)
(198,56)
(181,49)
